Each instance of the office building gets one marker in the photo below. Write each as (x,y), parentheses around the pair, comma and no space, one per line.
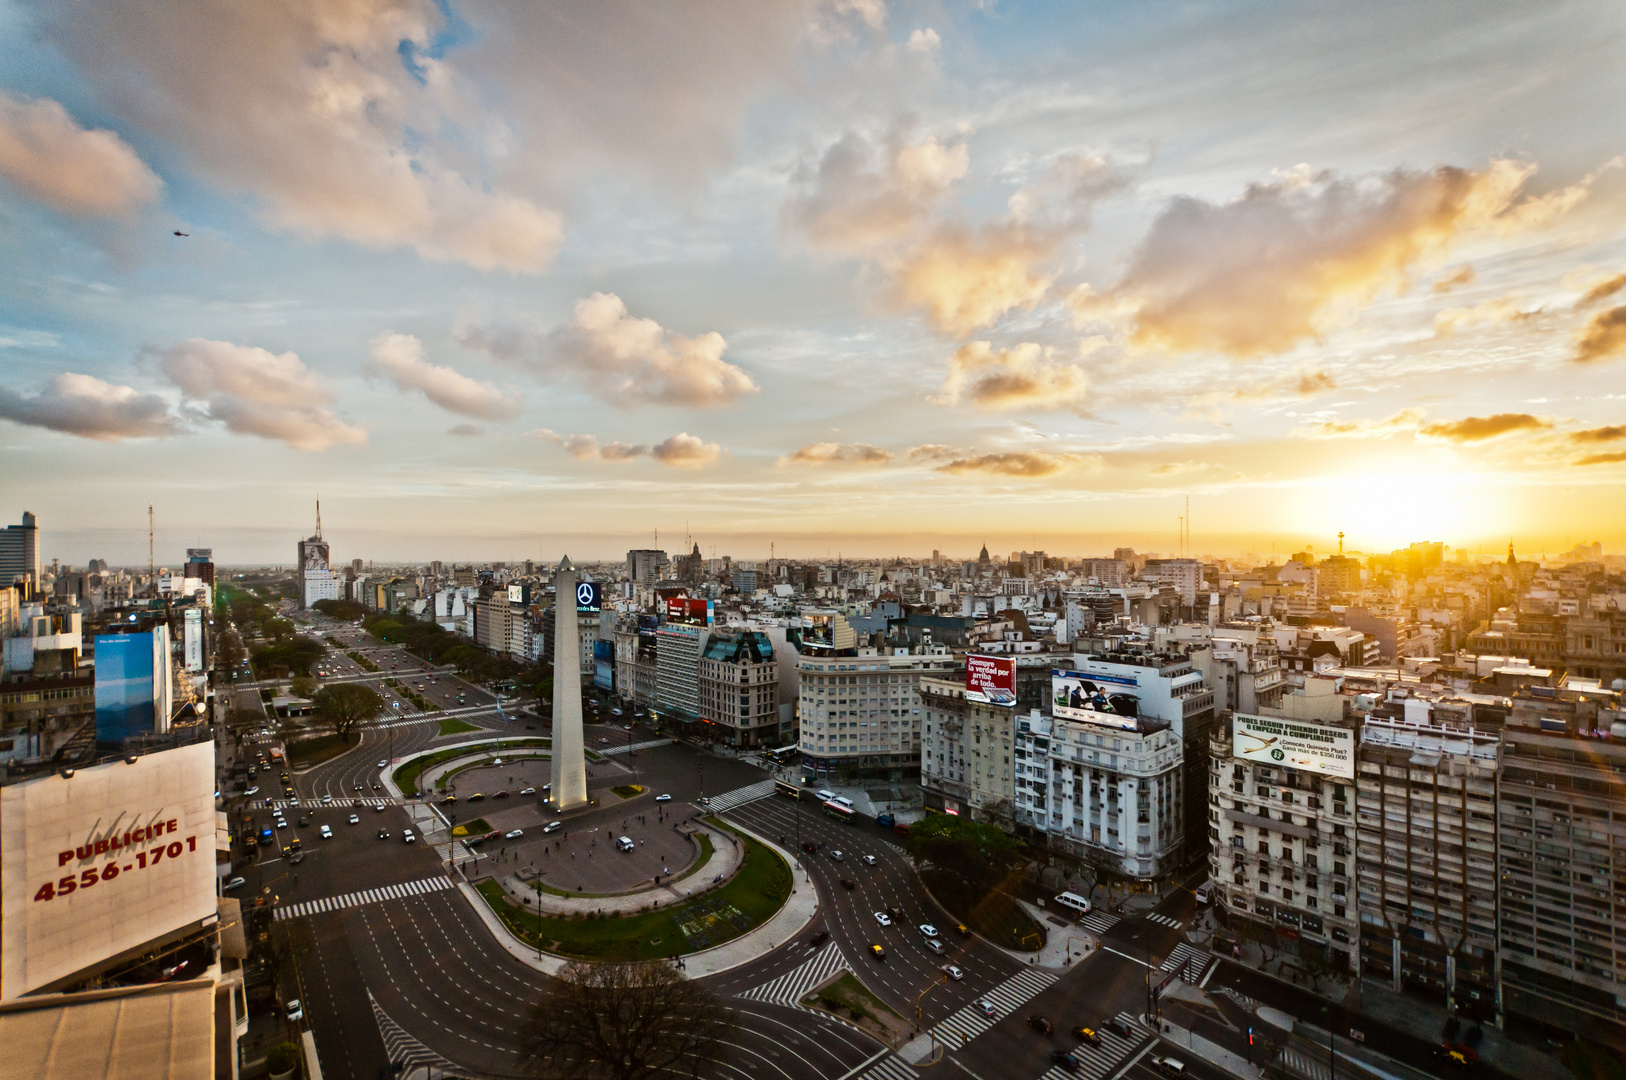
(317,581)
(677,671)
(1184,575)
(739,688)
(200,565)
(646,566)
(20,554)
(861,709)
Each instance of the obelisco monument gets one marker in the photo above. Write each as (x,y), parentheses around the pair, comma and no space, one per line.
(569,760)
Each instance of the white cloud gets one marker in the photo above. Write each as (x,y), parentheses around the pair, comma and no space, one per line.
(86,406)
(683,451)
(924,40)
(830,453)
(256,392)
(400,358)
(1028,376)
(46,154)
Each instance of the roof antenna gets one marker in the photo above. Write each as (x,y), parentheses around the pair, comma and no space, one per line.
(152,575)
(318,519)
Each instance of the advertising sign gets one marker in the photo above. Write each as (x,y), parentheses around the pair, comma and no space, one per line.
(604,664)
(689,609)
(589,598)
(516,594)
(990,679)
(126,688)
(199,554)
(102,861)
(1092,699)
(1315,748)
(192,639)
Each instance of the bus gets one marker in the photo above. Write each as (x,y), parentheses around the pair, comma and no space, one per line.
(787,787)
(839,812)
(784,755)
(276,753)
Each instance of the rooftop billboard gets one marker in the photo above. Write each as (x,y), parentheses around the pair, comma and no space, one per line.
(688,609)
(604,664)
(1315,748)
(990,679)
(132,684)
(102,861)
(1092,699)
(589,597)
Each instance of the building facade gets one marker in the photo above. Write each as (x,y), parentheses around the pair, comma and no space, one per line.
(966,751)
(739,688)
(20,553)
(861,710)
(677,671)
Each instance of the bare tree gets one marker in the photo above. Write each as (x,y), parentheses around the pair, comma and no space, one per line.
(626,1021)
(347,706)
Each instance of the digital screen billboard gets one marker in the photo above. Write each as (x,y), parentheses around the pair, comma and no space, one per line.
(104,860)
(192,639)
(1092,699)
(990,679)
(688,609)
(126,690)
(1315,748)
(604,664)
(589,597)
(199,554)
(516,594)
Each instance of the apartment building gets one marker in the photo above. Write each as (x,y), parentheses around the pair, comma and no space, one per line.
(965,752)
(677,670)
(861,709)
(739,688)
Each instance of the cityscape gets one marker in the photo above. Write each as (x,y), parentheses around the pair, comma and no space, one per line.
(812,540)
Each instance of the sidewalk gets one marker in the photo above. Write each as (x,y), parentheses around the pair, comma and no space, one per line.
(727,855)
(1064,945)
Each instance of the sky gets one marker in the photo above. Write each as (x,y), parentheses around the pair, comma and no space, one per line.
(858,277)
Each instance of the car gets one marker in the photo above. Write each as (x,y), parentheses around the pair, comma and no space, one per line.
(1466,1052)
(448,800)
(553,826)
(360,786)
(1087,1034)
(927,929)
(877,952)
(476,797)
(383,764)
(1118,1027)
(1170,1066)
(819,939)
(355,819)
(935,946)
(383,834)
(304,822)
(837,855)
(824,794)
(868,860)
(255,790)
(604,741)
(500,795)
(1041,1025)
(513,834)
(293,798)
(296,858)
(267,835)
(234,883)
(296,1011)
(663,798)
(895,912)
(327,800)
(987,1008)
(953,971)
(408,837)
(1453,1058)
(962,929)
(809,846)
(327,832)
(381,807)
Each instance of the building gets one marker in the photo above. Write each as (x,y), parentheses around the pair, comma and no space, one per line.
(135,692)
(47,699)
(635,658)
(966,746)
(200,565)
(744,579)
(504,627)
(739,688)
(677,671)
(861,710)
(1246,676)
(317,581)
(646,566)
(20,554)
(1185,575)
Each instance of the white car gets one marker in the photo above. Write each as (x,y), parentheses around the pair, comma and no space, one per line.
(953,972)
(869,860)
(409,837)
(513,834)
(296,1011)
(327,832)
(883,918)
(553,826)
(928,929)
(527,791)
(355,819)
(663,798)
(255,790)
(327,800)
(383,764)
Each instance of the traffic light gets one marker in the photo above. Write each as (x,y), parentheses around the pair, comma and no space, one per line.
(1250,1034)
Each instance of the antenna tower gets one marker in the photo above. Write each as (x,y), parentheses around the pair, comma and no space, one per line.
(152,573)
(318,519)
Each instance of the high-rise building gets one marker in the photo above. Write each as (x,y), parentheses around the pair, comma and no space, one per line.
(200,565)
(646,566)
(1185,575)
(317,581)
(677,670)
(861,711)
(20,553)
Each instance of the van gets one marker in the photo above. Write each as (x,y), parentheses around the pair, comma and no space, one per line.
(1073,902)
(843,800)
(1203,892)
(1171,1067)
(624,843)
(824,794)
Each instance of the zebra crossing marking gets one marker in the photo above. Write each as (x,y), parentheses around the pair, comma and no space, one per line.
(1097,1062)
(892,1067)
(650,745)
(1099,921)
(740,796)
(364,896)
(1184,955)
(789,989)
(401,1047)
(1013,993)
(1164,920)
(367,803)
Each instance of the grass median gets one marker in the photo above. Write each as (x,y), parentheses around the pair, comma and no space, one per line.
(751,898)
(454,726)
(406,777)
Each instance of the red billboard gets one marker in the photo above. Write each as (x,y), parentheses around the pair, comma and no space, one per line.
(991,679)
(688,609)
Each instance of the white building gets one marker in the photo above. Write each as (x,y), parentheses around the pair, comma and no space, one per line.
(861,710)
(1185,575)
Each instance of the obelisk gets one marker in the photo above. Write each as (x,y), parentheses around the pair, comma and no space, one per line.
(569,758)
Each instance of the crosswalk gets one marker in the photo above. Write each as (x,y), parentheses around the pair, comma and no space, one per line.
(367,803)
(650,745)
(1300,1061)
(891,1067)
(1184,955)
(969,1022)
(791,988)
(1096,1062)
(401,1047)
(1099,921)
(730,799)
(364,896)
(1164,920)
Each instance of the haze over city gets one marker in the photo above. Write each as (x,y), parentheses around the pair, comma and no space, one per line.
(860,277)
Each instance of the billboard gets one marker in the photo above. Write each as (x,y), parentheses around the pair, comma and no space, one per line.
(1092,699)
(102,861)
(192,639)
(1315,748)
(604,664)
(199,554)
(689,609)
(132,683)
(990,679)
(516,594)
(589,597)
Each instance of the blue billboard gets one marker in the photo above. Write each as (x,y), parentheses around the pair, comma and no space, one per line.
(126,697)
(604,664)
(589,598)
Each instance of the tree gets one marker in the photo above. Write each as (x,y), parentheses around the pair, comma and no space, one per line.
(625,1021)
(979,854)
(347,706)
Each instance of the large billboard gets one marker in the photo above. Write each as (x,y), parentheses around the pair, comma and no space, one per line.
(132,680)
(1092,699)
(689,609)
(98,862)
(589,597)
(604,664)
(1315,748)
(990,679)
(192,639)
(516,594)
(199,554)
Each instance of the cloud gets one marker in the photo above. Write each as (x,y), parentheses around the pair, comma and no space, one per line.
(1599,434)
(256,392)
(924,40)
(1029,464)
(47,155)
(1403,421)
(1462,275)
(863,198)
(86,406)
(466,431)
(931,452)
(683,451)
(1613,458)
(1604,336)
(1488,313)
(965,280)
(1602,290)
(1028,376)
(621,359)
(828,453)
(1262,273)
(1480,428)
(399,358)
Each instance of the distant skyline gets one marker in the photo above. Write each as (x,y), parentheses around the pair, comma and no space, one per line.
(506,281)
